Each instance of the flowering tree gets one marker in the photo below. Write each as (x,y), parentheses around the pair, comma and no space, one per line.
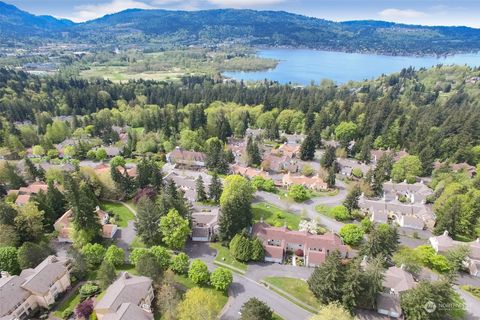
(84,309)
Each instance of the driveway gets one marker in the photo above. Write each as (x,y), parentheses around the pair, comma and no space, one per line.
(126,235)
(243,287)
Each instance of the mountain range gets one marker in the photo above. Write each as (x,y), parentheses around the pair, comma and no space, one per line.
(250,27)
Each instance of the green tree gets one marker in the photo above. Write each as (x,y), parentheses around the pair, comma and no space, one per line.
(408,167)
(94,253)
(162,255)
(255,309)
(201,194)
(351,234)
(431,300)
(333,311)
(115,255)
(136,254)
(298,193)
(331,177)
(29,222)
(198,272)
(147,222)
(106,274)
(9,260)
(257,251)
(10,174)
(180,263)
(328,158)
(31,254)
(327,280)
(409,258)
(353,286)
(351,201)
(7,213)
(221,278)
(148,266)
(346,132)
(198,304)
(382,240)
(8,236)
(215,189)
(216,158)
(241,247)
(175,229)
(253,153)
(372,283)
(235,204)
(307,149)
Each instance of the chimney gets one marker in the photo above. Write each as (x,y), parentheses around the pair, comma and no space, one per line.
(97,208)
(478,240)
(402,267)
(445,233)
(4,274)
(261,219)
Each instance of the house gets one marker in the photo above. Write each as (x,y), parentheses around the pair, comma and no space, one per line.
(64,225)
(314,183)
(396,281)
(375,155)
(456,167)
(25,193)
(205,225)
(248,172)
(185,158)
(34,288)
(279,163)
(186,182)
(348,165)
(444,243)
(278,241)
(414,193)
(129,297)
(112,151)
(378,216)
(289,150)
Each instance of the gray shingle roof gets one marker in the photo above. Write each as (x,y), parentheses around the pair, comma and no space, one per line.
(40,279)
(129,311)
(126,289)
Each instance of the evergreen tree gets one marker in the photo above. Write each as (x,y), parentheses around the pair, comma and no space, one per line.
(216,156)
(353,286)
(372,281)
(147,222)
(32,171)
(327,279)
(351,201)
(331,177)
(15,181)
(328,159)
(201,194)
(382,240)
(215,189)
(106,274)
(253,153)
(307,149)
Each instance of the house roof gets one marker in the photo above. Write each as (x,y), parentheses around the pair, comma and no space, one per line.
(34,188)
(412,221)
(388,302)
(444,242)
(205,218)
(248,172)
(129,311)
(126,289)
(310,182)
(289,149)
(22,199)
(183,156)
(63,224)
(398,280)
(39,279)
(11,294)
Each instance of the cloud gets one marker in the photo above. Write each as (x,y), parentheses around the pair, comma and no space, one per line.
(244,3)
(93,11)
(401,14)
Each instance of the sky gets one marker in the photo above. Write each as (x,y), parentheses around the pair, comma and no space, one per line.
(425,12)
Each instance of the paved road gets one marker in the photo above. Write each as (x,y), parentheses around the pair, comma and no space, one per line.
(126,235)
(243,287)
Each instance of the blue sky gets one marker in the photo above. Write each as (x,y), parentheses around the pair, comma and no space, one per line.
(427,12)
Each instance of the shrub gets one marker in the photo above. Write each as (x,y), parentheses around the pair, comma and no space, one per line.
(136,254)
(299,253)
(67,313)
(298,193)
(88,290)
(340,213)
(240,248)
(357,173)
(258,253)
(115,255)
(351,234)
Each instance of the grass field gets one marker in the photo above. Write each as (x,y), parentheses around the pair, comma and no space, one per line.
(474,291)
(275,216)
(297,288)
(223,256)
(121,74)
(124,214)
(325,210)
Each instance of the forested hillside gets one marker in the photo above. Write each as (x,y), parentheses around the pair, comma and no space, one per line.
(258,28)
(434,113)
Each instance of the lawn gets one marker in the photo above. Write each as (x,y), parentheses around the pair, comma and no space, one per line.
(224,257)
(119,210)
(137,243)
(298,288)
(70,303)
(275,216)
(325,210)
(130,268)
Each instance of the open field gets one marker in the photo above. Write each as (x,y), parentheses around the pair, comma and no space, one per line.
(121,213)
(224,257)
(275,216)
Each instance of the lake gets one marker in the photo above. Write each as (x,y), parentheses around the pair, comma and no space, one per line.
(301,66)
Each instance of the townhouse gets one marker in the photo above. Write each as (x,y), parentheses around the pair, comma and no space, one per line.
(22,295)
(205,225)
